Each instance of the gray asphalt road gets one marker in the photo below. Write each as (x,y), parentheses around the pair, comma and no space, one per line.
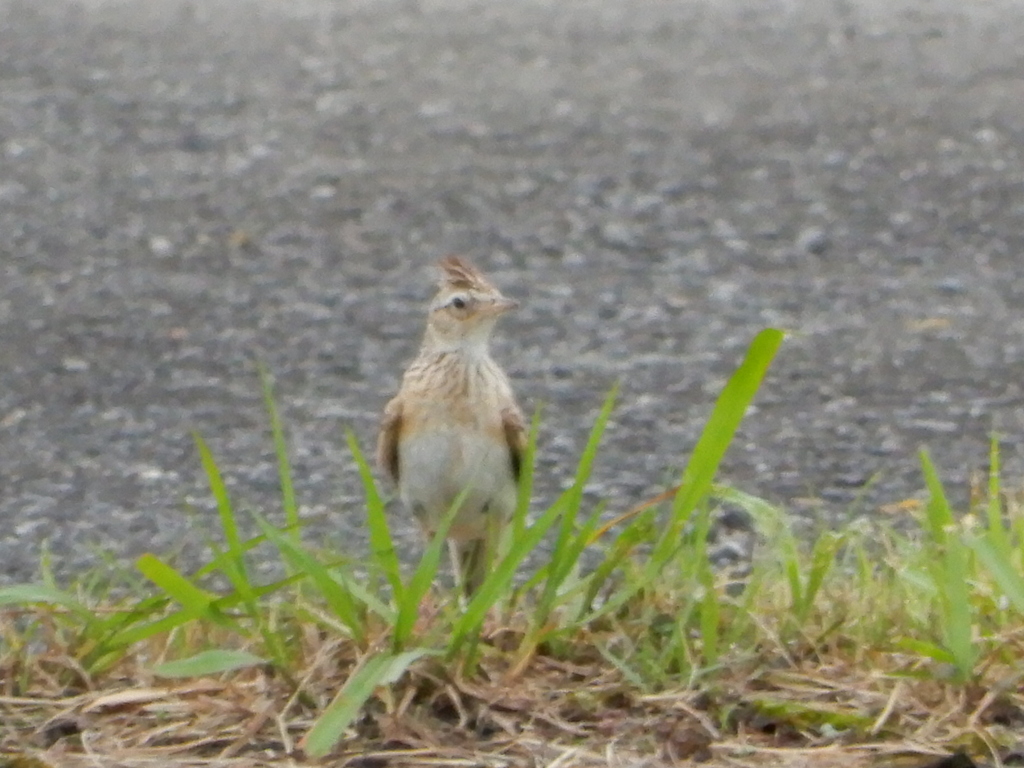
(185,187)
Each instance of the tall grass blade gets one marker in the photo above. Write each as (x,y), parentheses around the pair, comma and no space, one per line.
(998,535)
(231,563)
(939,514)
(949,568)
(228,525)
(714,441)
(423,577)
(467,626)
(382,546)
(570,544)
(284,472)
(526,474)
(710,617)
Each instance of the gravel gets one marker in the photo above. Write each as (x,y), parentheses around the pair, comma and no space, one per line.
(187,188)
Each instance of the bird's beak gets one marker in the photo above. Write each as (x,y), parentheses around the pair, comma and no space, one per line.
(502,305)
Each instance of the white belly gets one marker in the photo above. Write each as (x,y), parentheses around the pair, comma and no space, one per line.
(436,467)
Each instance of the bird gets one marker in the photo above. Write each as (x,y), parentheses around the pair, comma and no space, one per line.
(455,428)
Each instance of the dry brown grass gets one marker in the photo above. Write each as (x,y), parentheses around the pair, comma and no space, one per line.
(556,713)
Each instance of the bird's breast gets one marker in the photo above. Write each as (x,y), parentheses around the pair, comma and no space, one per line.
(440,463)
(452,439)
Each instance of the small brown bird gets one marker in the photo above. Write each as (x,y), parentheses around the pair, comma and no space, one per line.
(455,426)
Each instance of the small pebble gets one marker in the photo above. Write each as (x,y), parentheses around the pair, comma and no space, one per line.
(813,240)
(160,246)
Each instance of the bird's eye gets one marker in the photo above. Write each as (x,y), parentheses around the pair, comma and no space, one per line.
(459,303)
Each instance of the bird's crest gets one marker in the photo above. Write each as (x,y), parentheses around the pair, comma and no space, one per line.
(458,274)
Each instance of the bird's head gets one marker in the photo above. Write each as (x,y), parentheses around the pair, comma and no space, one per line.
(465,309)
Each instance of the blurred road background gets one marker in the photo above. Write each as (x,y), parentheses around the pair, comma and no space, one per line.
(186,187)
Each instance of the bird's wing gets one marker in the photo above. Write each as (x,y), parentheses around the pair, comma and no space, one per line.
(387,438)
(515,435)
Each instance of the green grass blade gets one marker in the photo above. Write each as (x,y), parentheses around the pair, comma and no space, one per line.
(365,596)
(138,632)
(212,662)
(374,672)
(949,567)
(569,544)
(43,594)
(573,554)
(710,618)
(634,677)
(806,589)
(794,578)
(339,600)
(284,471)
(497,583)
(639,531)
(926,649)
(938,513)
(224,508)
(958,619)
(1001,567)
(219,560)
(423,577)
(382,546)
(330,726)
(526,474)
(714,441)
(196,602)
(998,534)
(232,562)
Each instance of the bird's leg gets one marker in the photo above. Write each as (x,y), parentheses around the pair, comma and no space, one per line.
(458,575)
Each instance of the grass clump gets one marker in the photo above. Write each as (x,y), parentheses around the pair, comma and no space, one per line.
(868,640)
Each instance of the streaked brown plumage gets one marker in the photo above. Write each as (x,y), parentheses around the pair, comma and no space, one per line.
(454,424)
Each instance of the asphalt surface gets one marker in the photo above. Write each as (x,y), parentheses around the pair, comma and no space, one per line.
(188,187)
